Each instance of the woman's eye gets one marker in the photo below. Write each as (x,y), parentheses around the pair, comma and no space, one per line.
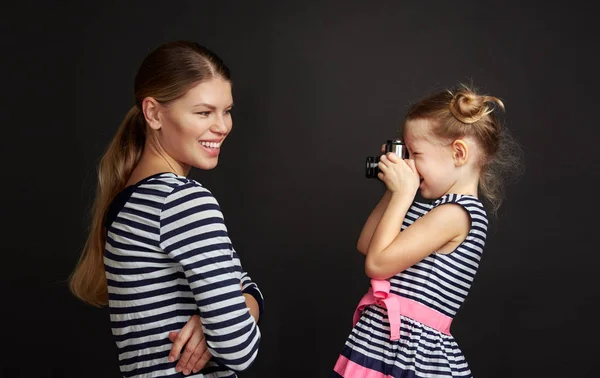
(204,114)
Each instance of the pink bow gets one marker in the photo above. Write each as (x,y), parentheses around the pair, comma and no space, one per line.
(379,293)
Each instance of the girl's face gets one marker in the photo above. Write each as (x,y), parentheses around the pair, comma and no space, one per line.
(433,159)
(194,126)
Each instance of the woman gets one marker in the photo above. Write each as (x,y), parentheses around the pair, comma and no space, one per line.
(158,252)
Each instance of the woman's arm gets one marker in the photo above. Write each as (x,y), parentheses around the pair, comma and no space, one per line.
(193,233)
(252,305)
(253,295)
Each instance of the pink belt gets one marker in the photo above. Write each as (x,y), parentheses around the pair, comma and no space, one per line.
(379,293)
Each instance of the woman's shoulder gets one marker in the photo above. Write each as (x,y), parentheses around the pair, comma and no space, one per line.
(180,190)
(170,182)
(172,188)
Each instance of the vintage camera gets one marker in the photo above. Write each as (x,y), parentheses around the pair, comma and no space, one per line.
(396,146)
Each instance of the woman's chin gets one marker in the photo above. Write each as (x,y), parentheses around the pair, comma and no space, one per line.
(207,165)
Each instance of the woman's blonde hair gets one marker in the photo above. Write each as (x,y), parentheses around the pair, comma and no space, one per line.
(166,74)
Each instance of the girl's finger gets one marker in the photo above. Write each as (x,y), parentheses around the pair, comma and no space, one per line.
(411,164)
(382,167)
(392,157)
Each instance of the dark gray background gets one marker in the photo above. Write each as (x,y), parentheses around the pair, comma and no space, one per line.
(318,87)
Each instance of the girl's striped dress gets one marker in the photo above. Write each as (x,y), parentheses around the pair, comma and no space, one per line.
(168,257)
(420,302)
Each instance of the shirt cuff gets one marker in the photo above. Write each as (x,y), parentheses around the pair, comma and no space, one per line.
(259,299)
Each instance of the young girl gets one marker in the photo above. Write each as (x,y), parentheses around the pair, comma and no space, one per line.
(158,252)
(423,257)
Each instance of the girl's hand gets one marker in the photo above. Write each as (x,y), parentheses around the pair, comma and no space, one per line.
(196,353)
(400,176)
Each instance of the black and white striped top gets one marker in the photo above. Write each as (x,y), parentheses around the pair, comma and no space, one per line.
(440,282)
(167,257)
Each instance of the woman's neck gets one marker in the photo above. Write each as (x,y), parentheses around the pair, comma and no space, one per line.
(155,160)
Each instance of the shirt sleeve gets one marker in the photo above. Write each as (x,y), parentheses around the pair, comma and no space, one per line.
(193,233)
(250,287)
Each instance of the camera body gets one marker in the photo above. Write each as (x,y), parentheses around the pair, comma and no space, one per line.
(394,145)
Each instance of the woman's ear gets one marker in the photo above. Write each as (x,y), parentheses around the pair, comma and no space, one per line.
(460,152)
(150,109)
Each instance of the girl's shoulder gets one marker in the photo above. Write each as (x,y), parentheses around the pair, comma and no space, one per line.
(468,202)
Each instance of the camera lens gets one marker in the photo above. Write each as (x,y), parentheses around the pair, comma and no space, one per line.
(372,168)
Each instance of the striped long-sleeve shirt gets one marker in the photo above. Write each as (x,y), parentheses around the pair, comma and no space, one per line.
(167,257)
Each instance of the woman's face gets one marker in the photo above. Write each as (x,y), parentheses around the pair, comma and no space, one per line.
(194,126)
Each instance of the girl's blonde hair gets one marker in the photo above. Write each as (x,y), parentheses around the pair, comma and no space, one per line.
(460,112)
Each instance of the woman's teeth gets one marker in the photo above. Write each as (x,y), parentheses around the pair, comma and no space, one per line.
(214,145)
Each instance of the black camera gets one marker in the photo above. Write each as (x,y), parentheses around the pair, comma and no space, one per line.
(396,146)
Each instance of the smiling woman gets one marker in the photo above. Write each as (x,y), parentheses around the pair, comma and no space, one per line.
(192,128)
(158,252)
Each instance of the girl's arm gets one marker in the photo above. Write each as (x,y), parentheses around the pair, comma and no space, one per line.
(391,252)
(369,228)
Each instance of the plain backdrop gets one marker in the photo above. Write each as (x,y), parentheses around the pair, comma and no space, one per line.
(318,86)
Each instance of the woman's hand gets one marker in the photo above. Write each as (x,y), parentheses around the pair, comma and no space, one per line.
(196,353)
(400,176)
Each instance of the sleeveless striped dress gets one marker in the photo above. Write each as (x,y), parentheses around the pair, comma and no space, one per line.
(438,284)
